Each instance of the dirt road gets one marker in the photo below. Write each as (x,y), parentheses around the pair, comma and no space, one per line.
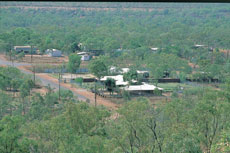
(82,94)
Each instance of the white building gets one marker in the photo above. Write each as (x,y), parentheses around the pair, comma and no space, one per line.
(54,53)
(25,49)
(154,49)
(143,87)
(84,56)
(118,78)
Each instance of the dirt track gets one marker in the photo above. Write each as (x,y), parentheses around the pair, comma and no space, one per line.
(79,91)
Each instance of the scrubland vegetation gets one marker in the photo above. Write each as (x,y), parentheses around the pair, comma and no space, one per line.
(194,120)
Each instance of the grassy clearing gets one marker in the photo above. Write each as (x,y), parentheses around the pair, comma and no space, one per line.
(169,87)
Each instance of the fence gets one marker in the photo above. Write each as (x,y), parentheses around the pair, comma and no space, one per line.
(81,70)
(162,80)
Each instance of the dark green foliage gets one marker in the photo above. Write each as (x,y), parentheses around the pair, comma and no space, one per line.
(74,62)
(11,138)
(98,67)
(130,75)
(110,84)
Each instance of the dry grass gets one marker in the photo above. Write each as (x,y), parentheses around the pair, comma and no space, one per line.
(44,59)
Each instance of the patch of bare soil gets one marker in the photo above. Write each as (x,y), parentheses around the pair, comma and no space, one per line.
(80,91)
(2,56)
(43,59)
(42,90)
(225,51)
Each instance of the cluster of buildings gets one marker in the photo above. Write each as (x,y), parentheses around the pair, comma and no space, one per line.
(25,49)
(124,85)
(85,56)
(34,50)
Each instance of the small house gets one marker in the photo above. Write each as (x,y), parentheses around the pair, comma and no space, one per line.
(25,49)
(144,88)
(54,53)
(118,78)
(198,46)
(84,56)
(154,49)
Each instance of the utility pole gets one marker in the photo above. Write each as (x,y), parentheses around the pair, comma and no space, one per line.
(95,94)
(59,91)
(31,56)
(228,54)
(34,74)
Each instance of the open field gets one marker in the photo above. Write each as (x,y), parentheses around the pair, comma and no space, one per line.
(44,59)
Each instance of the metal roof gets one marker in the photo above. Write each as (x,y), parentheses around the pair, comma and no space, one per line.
(118,78)
(143,87)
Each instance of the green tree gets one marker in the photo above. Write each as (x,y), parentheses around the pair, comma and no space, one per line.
(130,75)
(110,84)
(20,56)
(98,67)
(11,138)
(74,62)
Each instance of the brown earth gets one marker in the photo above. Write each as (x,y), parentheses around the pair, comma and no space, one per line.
(225,51)
(80,91)
(42,90)
(38,59)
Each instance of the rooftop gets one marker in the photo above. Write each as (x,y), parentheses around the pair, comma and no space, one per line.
(154,49)
(82,53)
(118,78)
(143,87)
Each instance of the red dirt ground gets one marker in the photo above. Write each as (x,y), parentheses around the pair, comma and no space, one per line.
(80,91)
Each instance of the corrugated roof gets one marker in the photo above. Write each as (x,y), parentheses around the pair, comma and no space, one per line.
(82,53)
(143,87)
(22,46)
(118,78)
(154,49)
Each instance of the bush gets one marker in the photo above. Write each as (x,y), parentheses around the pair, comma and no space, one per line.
(126,95)
(79,81)
(157,92)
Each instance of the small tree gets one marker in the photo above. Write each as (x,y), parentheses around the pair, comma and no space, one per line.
(110,85)
(20,56)
(79,81)
(25,89)
(74,63)
(98,67)
(130,75)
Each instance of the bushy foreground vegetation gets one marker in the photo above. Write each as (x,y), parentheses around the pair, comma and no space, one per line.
(196,122)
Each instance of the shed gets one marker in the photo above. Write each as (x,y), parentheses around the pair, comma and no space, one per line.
(82,53)
(154,49)
(54,52)
(199,46)
(118,78)
(144,88)
(25,49)
(84,56)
